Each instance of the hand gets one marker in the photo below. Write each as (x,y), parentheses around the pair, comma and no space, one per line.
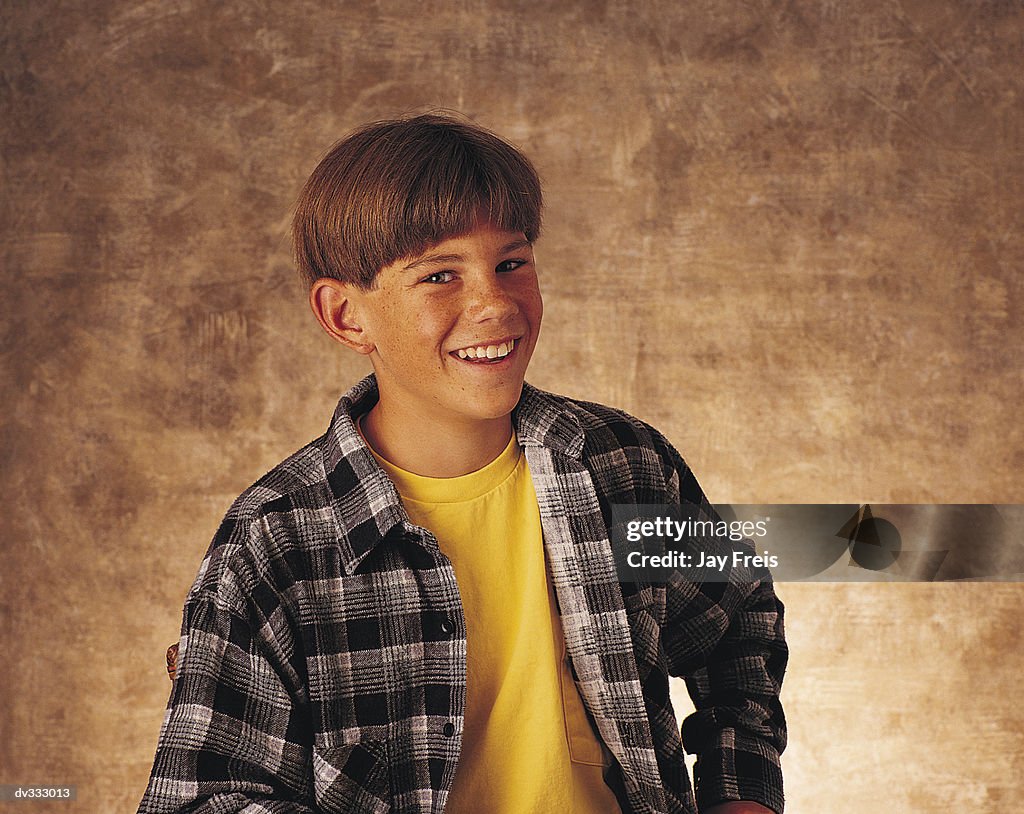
(738,807)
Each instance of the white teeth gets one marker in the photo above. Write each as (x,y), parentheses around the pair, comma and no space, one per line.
(487,351)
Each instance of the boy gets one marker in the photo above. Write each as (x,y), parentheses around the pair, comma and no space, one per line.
(419,610)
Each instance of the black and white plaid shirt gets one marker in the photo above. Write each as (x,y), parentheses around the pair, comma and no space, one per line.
(322,661)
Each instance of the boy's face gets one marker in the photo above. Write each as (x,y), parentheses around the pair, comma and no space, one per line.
(452,331)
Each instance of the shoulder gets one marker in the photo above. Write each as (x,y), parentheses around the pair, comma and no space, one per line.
(328,500)
(257,535)
(624,452)
(609,428)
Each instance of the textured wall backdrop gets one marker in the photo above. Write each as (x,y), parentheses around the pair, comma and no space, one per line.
(787,233)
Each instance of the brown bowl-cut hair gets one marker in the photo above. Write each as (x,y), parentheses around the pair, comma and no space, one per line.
(392,189)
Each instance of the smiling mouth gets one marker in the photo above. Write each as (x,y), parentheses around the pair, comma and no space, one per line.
(487,354)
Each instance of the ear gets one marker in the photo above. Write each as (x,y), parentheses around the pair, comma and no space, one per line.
(336,307)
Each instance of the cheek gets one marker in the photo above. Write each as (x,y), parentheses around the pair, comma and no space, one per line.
(410,329)
(529,295)
(422,335)
(533,306)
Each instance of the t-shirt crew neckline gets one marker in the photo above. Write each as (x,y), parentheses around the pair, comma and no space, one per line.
(461,488)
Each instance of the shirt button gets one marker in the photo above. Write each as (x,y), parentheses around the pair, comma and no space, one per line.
(448,729)
(447,627)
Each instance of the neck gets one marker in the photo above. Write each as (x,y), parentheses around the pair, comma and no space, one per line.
(432,448)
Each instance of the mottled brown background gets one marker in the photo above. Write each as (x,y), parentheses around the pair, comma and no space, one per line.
(787,233)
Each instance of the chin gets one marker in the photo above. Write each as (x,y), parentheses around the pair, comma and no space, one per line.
(497,406)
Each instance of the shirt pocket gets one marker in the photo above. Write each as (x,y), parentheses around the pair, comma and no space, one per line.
(584,744)
(351,778)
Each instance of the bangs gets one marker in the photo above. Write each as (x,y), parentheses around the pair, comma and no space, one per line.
(392,190)
(440,188)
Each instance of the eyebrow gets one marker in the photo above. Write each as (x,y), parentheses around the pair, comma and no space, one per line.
(435,259)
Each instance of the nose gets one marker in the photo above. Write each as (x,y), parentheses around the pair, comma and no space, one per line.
(490,296)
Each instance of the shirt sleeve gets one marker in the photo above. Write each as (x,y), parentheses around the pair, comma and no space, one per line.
(738,730)
(234,737)
(727,640)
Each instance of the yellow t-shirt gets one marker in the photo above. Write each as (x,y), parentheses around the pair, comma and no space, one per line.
(528,746)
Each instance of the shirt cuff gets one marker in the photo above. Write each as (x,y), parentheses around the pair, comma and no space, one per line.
(740,768)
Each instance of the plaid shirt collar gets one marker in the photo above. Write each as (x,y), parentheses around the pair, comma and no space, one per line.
(538,419)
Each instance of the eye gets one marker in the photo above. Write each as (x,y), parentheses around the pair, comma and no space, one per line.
(438,277)
(509,265)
